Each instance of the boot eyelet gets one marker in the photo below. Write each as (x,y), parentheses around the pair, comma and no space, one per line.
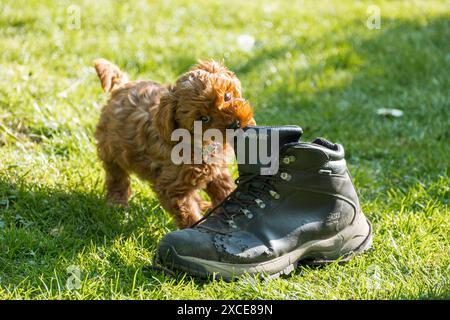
(232,224)
(285,176)
(260,203)
(289,159)
(247,213)
(274,194)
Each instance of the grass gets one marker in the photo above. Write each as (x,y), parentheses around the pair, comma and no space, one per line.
(314,63)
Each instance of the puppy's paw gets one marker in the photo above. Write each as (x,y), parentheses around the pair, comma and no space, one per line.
(204,205)
(117,199)
(186,221)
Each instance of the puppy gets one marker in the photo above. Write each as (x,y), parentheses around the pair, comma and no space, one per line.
(135,127)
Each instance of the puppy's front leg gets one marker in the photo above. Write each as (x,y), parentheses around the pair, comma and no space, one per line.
(177,191)
(220,186)
(202,204)
(183,207)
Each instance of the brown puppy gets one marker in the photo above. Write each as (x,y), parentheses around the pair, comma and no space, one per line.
(134,134)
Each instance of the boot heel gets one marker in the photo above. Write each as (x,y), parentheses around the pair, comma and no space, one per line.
(354,239)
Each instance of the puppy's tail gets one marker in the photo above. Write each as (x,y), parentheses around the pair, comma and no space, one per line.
(110,75)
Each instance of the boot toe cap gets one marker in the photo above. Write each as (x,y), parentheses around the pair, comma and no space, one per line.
(186,243)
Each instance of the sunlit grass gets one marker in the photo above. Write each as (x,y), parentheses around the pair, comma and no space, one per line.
(314,64)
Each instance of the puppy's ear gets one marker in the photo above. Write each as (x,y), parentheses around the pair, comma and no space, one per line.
(165,117)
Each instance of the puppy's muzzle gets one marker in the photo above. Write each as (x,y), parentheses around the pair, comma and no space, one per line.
(235,125)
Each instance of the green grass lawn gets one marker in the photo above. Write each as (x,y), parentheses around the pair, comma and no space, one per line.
(313,63)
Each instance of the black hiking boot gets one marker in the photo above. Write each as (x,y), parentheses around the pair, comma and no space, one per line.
(307,212)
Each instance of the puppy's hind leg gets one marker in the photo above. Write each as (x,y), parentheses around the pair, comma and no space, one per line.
(118,188)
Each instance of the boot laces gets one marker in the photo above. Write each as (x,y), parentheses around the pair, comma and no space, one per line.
(248,193)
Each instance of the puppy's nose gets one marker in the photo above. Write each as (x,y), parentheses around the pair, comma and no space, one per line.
(235,125)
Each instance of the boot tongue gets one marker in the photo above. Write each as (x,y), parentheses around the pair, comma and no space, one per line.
(258,146)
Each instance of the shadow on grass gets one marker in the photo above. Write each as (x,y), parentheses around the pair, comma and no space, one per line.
(45,228)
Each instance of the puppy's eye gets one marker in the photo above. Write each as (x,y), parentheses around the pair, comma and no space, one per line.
(227,96)
(204,119)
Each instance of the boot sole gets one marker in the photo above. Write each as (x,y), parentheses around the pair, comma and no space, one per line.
(354,239)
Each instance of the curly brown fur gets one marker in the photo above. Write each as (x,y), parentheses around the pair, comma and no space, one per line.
(135,127)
